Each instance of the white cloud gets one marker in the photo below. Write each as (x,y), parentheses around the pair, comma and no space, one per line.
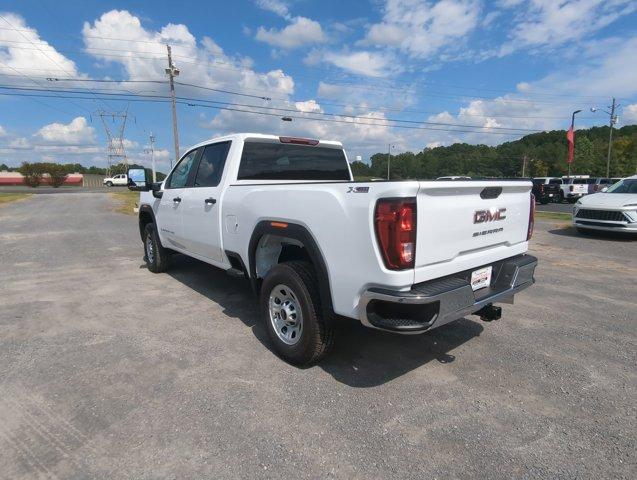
(550,23)
(3,132)
(301,31)
(422,29)
(308,106)
(19,142)
(360,136)
(275,6)
(629,114)
(371,64)
(203,63)
(38,59)
(77,132)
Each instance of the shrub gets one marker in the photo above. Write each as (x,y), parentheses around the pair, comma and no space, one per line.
(32,173)
(57,174)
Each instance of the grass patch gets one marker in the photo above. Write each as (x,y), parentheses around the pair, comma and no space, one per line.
(12,197)
(552,215)
(126,200)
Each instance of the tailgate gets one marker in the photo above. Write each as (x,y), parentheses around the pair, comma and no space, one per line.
(462,225)
(579,188)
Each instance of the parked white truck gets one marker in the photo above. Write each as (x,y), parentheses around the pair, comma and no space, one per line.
(285,213)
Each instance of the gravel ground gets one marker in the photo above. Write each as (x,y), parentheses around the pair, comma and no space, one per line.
(109,371)
(556,207)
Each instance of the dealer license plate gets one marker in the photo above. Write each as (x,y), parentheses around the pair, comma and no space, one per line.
(481,278)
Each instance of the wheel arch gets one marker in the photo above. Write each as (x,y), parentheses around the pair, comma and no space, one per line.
(299,236)
(146,216)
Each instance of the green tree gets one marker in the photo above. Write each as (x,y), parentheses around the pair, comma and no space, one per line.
(360,169)
(57,173)
(32,173)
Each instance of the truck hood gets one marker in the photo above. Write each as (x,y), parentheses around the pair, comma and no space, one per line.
(606,200)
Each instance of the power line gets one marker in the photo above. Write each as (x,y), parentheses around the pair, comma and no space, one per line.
(350,122)
(321,99)
(188,58)
(31,42)
(430,93)
(357,117)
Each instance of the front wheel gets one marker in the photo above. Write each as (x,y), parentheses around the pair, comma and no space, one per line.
(292,314)
(155,254)
(109,184)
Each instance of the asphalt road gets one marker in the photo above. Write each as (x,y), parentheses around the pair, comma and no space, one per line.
(110,371)
(38,190)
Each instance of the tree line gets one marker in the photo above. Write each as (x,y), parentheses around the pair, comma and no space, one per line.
(545,155)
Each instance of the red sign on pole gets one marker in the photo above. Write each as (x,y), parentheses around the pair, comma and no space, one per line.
(570,136)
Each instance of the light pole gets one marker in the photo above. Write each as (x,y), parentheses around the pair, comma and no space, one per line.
(389,147)
(613,121)
(571,153)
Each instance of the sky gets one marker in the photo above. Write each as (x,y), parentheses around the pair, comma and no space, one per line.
(374,74)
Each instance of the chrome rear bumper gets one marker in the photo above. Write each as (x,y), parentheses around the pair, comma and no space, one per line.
(431,304)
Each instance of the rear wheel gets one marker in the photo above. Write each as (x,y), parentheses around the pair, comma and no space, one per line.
(155,254)
(292,314)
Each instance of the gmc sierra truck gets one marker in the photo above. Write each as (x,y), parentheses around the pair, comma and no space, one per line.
(316,246)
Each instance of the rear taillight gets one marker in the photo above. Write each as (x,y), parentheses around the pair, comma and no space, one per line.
(529,233)
(395,221)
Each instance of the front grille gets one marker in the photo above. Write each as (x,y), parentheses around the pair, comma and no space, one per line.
(606,215)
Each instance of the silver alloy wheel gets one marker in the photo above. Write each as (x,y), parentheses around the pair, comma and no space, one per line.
(150,249)
(285,314)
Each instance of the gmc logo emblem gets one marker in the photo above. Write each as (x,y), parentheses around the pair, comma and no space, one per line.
(491,215)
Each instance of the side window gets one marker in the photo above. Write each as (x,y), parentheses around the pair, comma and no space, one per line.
(179,177)
(211,164)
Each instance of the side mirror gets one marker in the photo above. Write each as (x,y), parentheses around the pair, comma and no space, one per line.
(156,189)
(604,190)
(137,180)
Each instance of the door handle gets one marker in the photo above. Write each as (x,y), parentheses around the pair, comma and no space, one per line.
(210,201)
(176,199)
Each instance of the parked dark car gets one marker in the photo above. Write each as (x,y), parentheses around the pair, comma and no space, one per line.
(547,189)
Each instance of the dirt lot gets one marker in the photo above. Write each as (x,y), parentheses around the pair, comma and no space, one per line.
(109,371)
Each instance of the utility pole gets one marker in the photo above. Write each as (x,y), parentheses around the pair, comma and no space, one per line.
(613,121)
(173,72)
(524,159)
(152,155)
(389,147)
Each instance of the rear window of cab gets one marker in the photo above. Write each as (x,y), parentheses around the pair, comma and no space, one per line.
(285,161)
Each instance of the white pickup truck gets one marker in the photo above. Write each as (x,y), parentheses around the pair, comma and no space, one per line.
(119,180)
(285,213)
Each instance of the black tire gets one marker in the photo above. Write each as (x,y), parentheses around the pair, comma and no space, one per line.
(109,184)
(316,337)
(157,258)
(561,198)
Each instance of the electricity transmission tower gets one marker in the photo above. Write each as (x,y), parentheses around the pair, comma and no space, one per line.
(115,151)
